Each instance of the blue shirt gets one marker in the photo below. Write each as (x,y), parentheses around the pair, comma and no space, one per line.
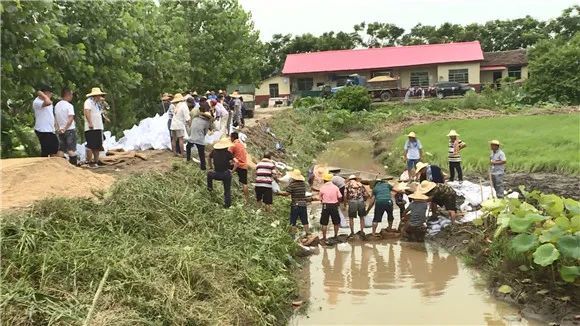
(412,148)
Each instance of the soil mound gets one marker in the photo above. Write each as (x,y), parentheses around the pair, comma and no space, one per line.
(25,180)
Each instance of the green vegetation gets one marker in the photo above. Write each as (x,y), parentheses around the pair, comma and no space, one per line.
(176,257)
(543,229)
(531,143)
(352,98)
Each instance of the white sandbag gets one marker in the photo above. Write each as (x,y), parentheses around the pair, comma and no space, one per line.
(368,220)
(343,219)
(212,138)
(275,187)
(472,192)
(404,176)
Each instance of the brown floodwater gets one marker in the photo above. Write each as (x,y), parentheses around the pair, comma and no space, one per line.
(391,282)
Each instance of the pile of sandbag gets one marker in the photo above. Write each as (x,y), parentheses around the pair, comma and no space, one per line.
(434,227)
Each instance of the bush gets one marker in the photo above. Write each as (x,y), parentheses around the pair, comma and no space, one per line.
(264,104)
(306,102)
(354,98)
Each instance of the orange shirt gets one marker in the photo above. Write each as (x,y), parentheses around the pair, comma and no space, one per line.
(240,154)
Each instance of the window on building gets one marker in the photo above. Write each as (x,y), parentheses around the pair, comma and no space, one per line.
(515,72)
(304,84)
(419,79)
(274,92)
(459,76)
(382,73)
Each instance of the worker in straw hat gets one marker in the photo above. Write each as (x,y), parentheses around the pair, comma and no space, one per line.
(441,195)
(330,197)
(355,196)
(454,156)
(497,160)
(93,114)
(221,162)
(415,217)
(400,189)
(181,120)
(426,171)
(413,152)
(297,191)
(383,201)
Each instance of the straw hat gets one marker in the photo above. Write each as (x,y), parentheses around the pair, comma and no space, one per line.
(194,93)
(327,177)
(352,177)
(400,187)
(452,132)
(297,175)
(412,134)
(495,142)
(426,186)
(235,94)
(166,96)
(418,196)
(207,92)
(223,143)
(420,166)
(178,98)
(220,91)
(96,91)
(385,177)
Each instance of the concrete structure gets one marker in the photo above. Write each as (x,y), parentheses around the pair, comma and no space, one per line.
(415,66)
(275,87)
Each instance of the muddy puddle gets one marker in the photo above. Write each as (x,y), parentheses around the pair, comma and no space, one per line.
(391,282)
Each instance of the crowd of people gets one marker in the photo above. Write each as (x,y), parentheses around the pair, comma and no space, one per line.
(195,116)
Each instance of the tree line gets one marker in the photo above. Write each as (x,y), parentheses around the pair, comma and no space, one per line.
(136,50)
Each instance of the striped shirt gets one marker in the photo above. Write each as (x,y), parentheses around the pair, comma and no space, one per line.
(297,191)
(265,173)
(454,157)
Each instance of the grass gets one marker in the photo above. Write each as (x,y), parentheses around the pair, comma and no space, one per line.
(176,257)
(537,143)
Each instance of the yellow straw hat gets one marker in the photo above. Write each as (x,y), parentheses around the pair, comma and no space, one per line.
(297,175)
(96,91)
(327,177)
(235,94)
(426,186)
(495,142)
(400,187)
(420,166)
(178,98)
(452,132)
(223,143)
(412,134)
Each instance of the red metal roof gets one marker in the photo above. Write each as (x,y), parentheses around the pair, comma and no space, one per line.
(491,68)
(378,58)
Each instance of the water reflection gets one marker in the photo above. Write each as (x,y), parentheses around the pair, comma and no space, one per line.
(395,283)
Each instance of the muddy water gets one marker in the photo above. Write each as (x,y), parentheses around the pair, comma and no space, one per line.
(392,282)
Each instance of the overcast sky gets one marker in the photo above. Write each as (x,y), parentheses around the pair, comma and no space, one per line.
(318,16)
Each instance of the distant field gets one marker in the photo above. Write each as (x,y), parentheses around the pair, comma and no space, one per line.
(548,143)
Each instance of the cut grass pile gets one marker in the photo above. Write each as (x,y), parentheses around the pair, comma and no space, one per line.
(535,143)
(176,257)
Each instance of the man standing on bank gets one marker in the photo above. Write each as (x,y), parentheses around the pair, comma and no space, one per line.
(241,159)
(94,125)
(265,173)
(497,161)
(64,113)
(455,146)
(44,122)
(413,153)
(330,196)
(220,164)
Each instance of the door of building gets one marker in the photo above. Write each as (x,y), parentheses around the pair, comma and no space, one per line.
(274,91)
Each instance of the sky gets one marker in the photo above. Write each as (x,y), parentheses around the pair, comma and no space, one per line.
(317,16)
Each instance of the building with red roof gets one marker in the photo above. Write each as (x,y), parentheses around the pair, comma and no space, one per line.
(413,66)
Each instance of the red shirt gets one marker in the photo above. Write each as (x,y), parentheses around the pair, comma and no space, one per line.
(240,154)
(329,193)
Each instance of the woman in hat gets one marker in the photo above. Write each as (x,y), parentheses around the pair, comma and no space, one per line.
(297,192)
(454,156)
(355,196)
(441,195)
(429,172)
(413,152)
(497,160)
(330,197)
(415,217)
(181,118)
(382,200)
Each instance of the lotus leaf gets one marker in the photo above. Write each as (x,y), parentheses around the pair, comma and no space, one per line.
(546,254)
(569,273)
(522,224)
(524,242)
(553,234)
(505,289)
(572,206)
(569,245)
(575,223)
(552,204)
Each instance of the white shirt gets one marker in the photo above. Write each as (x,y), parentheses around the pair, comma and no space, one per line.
(43,116)
(180,116)
(95,112)
(62,110)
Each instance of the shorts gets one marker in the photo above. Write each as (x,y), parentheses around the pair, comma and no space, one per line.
(298,212)
(380,209)
(242,175)
(356,207)
(329,211)
(177,133)
(411,163)
(48,143)
(449,202)
(67,141)
(265,195)
(94,139)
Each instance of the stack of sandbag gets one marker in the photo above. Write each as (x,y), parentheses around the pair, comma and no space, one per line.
(434,227)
